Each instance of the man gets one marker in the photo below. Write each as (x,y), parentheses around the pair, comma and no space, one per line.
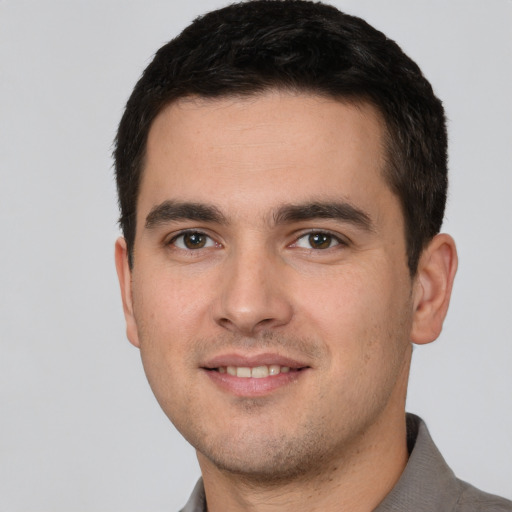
(281,170)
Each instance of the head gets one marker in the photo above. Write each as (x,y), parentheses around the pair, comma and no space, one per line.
(281,174)
(298,46)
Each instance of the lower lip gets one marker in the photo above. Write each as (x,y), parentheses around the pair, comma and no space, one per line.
(251,387)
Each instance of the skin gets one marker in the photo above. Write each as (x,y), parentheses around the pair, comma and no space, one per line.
(333,436)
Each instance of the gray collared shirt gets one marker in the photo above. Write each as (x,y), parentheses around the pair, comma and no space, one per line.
(426,485)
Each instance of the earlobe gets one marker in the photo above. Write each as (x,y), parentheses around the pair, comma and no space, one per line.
(124,275)
(433,288)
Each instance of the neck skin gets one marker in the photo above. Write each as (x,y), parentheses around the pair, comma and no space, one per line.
(370,468)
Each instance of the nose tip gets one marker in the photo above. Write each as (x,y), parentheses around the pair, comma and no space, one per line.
(253,299)
(246,324)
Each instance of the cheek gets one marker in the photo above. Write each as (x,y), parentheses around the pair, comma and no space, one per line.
(343,303)
(360,314)
(169,307)
(166,322)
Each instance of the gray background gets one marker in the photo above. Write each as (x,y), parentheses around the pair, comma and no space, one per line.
(79,427)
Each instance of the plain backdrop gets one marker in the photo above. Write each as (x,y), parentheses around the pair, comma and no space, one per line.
(79,427)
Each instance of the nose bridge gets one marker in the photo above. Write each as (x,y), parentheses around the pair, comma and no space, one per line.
(252,295)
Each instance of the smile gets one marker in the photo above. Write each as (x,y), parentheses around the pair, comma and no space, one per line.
(256,372)
(253,375)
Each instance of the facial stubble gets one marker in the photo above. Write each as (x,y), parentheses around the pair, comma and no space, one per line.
(257,449)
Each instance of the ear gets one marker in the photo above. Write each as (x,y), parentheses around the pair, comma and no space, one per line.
(433,288)
(124,274)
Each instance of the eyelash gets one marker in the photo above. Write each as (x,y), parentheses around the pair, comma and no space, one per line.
(210,242)
(333,238)
(192,232)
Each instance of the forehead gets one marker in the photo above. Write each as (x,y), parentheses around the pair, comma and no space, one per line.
(264,149)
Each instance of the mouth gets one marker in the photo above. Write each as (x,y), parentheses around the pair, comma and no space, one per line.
(256,372)
(254,376)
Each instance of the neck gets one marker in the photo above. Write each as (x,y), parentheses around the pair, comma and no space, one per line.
(357,482)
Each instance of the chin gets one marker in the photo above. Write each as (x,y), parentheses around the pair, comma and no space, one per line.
(264,459)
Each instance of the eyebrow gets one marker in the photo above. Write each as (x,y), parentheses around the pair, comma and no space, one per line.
(169,211)
(342,211)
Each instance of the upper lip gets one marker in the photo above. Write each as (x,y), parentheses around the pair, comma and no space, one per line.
(252,360)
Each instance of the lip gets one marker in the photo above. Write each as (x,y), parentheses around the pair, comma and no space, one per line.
(253,387)
(252,360)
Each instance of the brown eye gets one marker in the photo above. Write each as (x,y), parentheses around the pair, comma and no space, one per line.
(317,240)
(192,240)
(320,240)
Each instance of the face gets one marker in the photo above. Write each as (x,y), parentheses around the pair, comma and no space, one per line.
(270,294)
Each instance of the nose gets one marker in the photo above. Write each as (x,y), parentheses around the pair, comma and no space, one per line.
(252,296)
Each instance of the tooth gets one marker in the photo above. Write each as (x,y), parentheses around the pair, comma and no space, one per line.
(243,371)
(259,372)
(274,369)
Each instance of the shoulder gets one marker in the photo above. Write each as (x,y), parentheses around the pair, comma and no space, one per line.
(428,484)
(472,499)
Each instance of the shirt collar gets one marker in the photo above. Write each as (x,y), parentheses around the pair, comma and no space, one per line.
(427,482)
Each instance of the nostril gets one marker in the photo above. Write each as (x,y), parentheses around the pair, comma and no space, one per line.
(246,326)
(247,309)
(265,322)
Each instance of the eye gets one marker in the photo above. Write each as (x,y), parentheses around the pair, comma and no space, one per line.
(317,240)
(191,240)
